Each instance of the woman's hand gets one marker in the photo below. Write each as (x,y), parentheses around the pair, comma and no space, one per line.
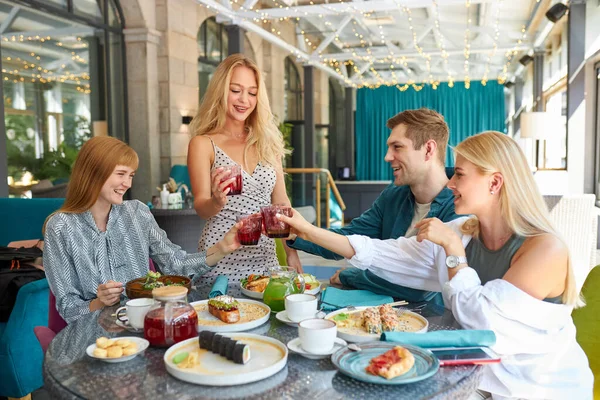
(299,226)
(230,241)
(219,189)
(109,293)
(293,261)
(436,231)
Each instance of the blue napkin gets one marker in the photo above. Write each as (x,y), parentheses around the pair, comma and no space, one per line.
(333,298)
(219,287)
(459,338)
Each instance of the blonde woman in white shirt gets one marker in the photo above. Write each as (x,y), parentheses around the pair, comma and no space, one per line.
(527,303)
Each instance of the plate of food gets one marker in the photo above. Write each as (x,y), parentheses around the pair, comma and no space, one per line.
(225,359)
(386,363)
(118,349)
(365,324)
(142,287)
(254,285)
(228,314)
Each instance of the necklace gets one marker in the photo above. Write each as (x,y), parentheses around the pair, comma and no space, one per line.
(241,135)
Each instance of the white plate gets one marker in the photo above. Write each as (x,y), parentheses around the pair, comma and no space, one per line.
(126,326)
(225,327)
(294,345)
(259,295)
(359,336)
(267,357)
(142,345)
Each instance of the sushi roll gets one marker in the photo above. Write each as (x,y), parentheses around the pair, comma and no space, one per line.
(205,338)
(223,346)
(241,353)
(229,349)
(214,347)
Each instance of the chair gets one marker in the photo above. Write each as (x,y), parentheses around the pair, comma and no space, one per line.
(576,219)
(587,320)
(21,357)
(44,335)
(56,323)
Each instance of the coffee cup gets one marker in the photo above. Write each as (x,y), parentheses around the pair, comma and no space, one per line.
(300,306)
(317,336)
(135,310)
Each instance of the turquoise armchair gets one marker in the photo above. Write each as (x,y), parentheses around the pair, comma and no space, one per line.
(21,356)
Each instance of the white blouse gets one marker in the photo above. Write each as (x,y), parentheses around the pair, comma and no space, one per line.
(536,339)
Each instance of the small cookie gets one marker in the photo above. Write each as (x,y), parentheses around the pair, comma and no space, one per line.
(127,351)
(115,352)
(102,342)
(100,353)
(123,342)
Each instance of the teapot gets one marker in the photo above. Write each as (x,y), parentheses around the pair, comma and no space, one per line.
(283,281)
(171,319)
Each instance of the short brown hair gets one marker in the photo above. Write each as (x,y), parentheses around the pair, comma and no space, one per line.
(423,125)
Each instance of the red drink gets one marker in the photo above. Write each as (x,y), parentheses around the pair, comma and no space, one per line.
(181,327)
(249,232)
(235,187)
(274,227)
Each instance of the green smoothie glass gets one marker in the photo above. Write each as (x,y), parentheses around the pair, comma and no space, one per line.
(281,283)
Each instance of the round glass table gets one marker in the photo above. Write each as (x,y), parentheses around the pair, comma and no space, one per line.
(70,373)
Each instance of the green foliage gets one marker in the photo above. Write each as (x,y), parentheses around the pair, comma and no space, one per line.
(54,164)
(286,131)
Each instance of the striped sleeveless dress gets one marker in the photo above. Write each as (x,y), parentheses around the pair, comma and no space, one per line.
(256,192)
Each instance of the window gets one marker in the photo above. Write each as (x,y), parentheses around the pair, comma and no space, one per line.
(553,151)
(213,45)
(597,154)
(62,69)
(292,107)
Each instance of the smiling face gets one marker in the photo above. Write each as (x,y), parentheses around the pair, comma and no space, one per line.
(243,89)
(408,164)
(471,188)
(116,185)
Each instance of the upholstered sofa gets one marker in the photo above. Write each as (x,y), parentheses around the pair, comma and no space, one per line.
(21,356)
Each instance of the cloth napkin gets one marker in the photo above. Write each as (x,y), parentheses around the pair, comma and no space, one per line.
(458,338)
(333,298)
(219,287)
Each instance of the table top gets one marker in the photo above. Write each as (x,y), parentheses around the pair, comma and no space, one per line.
(70,373)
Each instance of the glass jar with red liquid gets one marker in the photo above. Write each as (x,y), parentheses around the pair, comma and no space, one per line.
(251,229)
(171,319)
(235,187)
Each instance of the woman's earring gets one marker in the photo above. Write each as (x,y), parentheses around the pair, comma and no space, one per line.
(491,192)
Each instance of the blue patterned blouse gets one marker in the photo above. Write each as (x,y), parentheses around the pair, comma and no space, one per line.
(78,256)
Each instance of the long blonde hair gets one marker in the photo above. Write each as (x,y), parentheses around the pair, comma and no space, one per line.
(95,162)
(521,202)
(212,113)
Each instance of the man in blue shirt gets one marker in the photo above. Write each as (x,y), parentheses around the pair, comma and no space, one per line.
(416,152)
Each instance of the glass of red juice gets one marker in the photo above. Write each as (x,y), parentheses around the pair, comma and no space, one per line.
(249,232)
(235,187)
(274,227)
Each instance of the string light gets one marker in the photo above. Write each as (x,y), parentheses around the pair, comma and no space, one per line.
(494,44)
(440,42)
(510,56)
(467,51)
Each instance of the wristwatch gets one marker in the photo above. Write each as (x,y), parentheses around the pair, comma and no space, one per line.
(455,261)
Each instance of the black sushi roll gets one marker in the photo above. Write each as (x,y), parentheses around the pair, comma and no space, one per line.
(205,339)
(223,346)
(241,353)
(229,349)
(216,340)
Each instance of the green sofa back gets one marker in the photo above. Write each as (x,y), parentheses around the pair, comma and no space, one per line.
(23,219)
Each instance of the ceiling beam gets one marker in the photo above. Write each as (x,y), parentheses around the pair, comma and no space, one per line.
(10,18)
(353,8)
(268,36)
(328,39)
(413,53)
(249,4)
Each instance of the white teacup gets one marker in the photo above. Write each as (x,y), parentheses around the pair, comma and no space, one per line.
(299,307)
(135,310)
(317,336)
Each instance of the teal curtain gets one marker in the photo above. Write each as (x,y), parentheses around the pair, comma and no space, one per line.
(467,112)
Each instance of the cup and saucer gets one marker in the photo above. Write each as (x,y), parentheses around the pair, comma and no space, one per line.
(298,307)
(295,346)
(131,316)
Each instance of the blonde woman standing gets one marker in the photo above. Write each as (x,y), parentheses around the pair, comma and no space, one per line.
(234,125)
(506,269)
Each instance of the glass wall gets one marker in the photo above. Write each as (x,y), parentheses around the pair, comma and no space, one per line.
(63,74)
(292,102)
(553,150)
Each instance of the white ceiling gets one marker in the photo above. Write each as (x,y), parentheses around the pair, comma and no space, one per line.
(394,42)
